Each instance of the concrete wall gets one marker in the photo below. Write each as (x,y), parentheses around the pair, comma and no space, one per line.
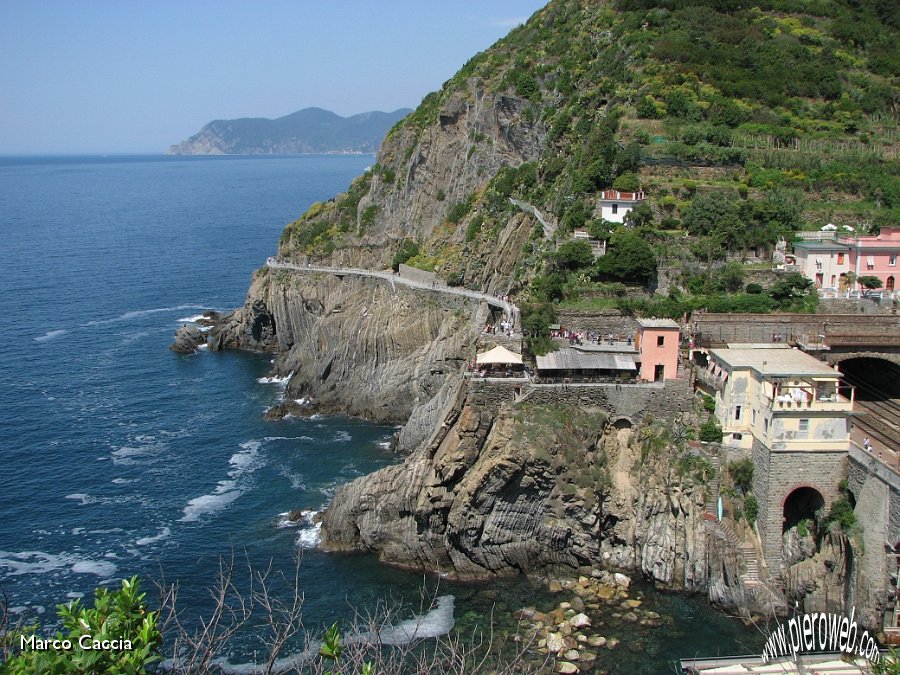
(415,274)
(777,474)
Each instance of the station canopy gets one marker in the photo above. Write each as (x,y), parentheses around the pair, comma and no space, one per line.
(498,356)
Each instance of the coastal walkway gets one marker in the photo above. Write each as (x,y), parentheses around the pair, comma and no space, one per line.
(511,310)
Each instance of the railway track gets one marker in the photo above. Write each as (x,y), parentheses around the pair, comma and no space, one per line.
(879,419)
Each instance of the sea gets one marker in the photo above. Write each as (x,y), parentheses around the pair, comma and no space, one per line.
(120,457)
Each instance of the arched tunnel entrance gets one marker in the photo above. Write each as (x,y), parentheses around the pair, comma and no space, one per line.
(801,504)
(875,379)
(877,408)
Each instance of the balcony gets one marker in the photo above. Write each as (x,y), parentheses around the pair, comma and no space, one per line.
(810,397)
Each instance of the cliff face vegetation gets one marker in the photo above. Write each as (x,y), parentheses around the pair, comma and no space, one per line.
(741,124)
(529,488)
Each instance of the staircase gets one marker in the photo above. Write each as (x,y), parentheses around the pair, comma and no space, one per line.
(712,498)
(747,552)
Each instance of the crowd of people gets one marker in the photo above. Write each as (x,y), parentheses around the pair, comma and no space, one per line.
(591,337)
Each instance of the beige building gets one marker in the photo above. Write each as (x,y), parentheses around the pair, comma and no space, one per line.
(782,397)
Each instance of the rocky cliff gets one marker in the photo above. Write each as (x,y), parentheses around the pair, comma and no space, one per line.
(360,346)
(527,489)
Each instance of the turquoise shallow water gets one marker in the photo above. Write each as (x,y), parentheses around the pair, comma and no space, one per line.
(120,457)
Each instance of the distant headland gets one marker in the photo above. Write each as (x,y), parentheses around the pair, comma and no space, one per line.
(311,130)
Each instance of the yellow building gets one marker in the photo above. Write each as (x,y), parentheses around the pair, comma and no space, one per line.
(782,397)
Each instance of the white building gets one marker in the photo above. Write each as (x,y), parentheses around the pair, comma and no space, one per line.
(614,204)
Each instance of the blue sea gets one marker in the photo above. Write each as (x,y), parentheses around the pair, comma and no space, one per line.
(121,457)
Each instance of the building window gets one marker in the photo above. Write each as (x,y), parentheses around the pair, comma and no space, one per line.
(660,340)
(737,437)
(753,413)
(892,261)
(840,259)
(615,208)
(804,429)
(766,425)
(737,412)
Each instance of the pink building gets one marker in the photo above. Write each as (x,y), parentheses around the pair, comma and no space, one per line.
(829,263)
(876,255)
(657,344)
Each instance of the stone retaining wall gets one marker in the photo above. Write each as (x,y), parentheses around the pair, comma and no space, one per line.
(604,321)
(876,490)
(632,401)
(761,327)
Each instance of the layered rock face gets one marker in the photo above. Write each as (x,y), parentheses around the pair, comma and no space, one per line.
(355,345)
(526,489)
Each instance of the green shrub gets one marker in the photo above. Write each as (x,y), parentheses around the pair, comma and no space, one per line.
(741,473)
(474,227)
(408,249)
(751,508)
(116,615)
(841,512)
(709,403)
(710,431)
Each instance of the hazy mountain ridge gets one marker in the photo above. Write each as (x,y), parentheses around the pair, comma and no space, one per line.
(311,130)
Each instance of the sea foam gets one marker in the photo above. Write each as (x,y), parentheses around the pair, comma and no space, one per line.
(49,335)
(227,490)
(163,534)
(101,568)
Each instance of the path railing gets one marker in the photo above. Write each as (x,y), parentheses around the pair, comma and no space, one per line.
(511,310)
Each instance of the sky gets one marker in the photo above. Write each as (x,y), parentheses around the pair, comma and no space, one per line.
(120,76)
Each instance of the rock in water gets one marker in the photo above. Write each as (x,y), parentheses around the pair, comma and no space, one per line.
(187,339)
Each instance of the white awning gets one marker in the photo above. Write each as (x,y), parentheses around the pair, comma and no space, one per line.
(499,355)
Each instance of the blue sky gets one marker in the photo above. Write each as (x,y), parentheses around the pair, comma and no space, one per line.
(136,76)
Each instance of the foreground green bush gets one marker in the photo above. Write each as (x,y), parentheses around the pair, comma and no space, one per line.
(117,635)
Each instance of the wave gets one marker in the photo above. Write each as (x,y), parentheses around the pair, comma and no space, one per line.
(310,538)
(192,319)
(140,312)
(163,534)
(49,335)
(342,437)
(434,623)
(84,498)
(273,379)
(305,519)
(227,490)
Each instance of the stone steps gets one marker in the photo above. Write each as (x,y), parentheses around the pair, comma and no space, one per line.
(712,499)
(746,550)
